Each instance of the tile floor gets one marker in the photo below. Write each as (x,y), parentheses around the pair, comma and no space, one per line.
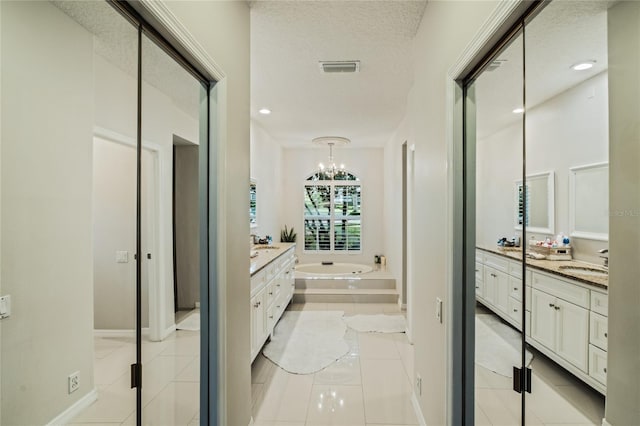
(369,386)
(557,398)
(170,383)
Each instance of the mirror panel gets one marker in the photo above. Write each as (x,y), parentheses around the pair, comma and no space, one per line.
(589,201)
(540,203)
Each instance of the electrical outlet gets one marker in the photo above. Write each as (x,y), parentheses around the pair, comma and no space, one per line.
(418,385)
(74,381)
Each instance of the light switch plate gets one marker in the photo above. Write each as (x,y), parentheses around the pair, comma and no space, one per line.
(5,307)
(122,256)
(439,309)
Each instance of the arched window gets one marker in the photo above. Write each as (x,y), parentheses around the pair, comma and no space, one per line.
(332,213)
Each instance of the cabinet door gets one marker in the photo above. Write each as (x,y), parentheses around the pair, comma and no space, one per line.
(490,284)
(543,324)
(515,312)
(258,323)
(572,338)
(502,292)
(479,280)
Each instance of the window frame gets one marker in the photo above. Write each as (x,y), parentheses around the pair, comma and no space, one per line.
(331,217)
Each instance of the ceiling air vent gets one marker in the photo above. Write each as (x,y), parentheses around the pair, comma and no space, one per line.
(339,66)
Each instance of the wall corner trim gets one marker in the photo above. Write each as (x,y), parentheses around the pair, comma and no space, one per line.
(418,411)
(170,21)
(76,408)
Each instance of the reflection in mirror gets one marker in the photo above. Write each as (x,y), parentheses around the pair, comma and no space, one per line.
(253,204)
(539,203)
(589,201)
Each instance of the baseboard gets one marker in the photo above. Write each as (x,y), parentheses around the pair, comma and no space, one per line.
(197,305)
(116,333)
(417,410)
(605,422)
(167,332)
(76,408)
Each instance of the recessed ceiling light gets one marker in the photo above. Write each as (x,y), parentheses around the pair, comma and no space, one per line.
(518,110)
(265,111)
(584,65)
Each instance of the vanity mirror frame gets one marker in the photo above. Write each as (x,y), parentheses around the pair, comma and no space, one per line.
(253,203)
(595,200)
(550,177)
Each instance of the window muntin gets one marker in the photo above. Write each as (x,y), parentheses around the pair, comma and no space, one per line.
(332,210)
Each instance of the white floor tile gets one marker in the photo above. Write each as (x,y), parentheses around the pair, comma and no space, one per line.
(387,392)
(336,405)
(191,373)
(159,372)
(345,371)
(262,369)
(348,308)
(285,398)
(378,346)
(115,403)
(177,404)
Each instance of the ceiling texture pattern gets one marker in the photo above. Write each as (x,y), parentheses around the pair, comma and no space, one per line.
(289,38)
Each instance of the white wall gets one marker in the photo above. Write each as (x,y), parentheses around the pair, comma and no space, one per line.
(225,36)
(46,263)
(445,30)
(368,165)
(267,168)
(568,130)
(623,370)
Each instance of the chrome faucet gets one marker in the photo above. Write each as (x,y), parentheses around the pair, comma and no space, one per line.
(606,258)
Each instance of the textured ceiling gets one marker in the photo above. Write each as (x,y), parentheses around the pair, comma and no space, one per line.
(116,40)
(564,33)
(288,38)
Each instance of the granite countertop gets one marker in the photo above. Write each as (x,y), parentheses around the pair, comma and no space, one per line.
(267,255)
(553,266)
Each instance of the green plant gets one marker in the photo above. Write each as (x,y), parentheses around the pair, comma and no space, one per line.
(287,235)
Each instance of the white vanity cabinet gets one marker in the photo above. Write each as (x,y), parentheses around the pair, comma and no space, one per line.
(566,319)
(271,291)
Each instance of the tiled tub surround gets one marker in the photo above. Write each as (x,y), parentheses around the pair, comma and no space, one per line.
(272,285)
(566,312)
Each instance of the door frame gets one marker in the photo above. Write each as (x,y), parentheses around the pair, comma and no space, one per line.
(157,293)
(460,241)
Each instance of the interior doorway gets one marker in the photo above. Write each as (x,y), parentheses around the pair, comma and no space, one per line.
(186,230)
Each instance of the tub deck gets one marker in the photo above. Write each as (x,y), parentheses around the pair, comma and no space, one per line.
(377,286)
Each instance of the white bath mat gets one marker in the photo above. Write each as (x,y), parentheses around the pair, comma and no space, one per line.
(304,342)
(190,322)
(498,345)
(377,323)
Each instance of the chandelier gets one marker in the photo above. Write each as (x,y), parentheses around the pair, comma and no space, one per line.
(331,170)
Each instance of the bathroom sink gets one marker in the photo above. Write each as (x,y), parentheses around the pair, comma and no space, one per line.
(585,270)
(266,248)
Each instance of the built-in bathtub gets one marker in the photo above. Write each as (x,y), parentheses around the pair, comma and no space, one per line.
(347,270)
(343,282)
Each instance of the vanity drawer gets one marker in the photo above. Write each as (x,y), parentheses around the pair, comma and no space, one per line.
(496,262)
(479,256)
(598,327)
(515,311)
(600,303)
(515,288)
(598,364)
(258,280)
(561,289)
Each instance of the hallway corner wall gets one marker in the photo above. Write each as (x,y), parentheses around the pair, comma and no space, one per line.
(446,29)
(222,28)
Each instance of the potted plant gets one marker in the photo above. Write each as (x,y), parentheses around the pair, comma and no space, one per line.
(287,235)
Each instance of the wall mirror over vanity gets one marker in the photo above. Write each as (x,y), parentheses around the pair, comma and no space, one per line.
(546,297)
